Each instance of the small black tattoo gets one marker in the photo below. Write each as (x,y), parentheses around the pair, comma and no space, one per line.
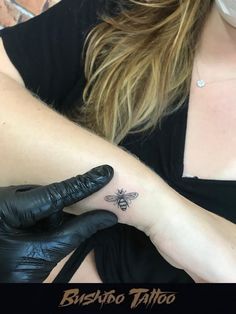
(121,198)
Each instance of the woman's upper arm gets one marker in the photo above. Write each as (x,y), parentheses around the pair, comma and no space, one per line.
(7,67)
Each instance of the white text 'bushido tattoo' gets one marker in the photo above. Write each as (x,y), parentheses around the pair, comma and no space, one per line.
(121,198)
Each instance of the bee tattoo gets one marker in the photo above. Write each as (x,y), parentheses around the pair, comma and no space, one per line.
(121,199)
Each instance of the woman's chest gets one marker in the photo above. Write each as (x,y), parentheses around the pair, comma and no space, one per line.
(207,156)
(210,138)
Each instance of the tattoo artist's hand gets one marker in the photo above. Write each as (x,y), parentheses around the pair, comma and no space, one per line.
(35,234)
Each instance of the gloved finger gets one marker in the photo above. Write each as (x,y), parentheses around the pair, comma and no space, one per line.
(10,209)
(72,190)
(79,228)
(36,204)
(77,188)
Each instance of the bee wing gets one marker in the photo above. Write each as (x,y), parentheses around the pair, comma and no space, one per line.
(131,196)
(110,198)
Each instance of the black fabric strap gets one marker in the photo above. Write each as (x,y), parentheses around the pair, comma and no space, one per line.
(74,261)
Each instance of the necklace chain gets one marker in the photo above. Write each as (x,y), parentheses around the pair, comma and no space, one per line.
(202,83)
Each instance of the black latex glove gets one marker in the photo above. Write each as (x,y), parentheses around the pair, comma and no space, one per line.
(30,255)
(22,206)
(28,251)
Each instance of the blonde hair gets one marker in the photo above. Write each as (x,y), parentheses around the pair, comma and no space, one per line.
(138,64)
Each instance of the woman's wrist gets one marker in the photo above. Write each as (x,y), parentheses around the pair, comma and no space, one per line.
(140,200)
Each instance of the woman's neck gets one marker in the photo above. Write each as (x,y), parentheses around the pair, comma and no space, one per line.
(218,40)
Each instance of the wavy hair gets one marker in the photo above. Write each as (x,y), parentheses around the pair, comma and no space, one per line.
(138,64)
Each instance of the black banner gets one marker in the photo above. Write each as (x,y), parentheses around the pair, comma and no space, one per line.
(114,298)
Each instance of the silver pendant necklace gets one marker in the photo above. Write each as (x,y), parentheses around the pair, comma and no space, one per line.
(202,83)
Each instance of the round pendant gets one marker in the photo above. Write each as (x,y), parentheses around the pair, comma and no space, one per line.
(201,83)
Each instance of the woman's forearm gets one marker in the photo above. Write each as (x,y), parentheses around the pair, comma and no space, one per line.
(196,240)
(40,146)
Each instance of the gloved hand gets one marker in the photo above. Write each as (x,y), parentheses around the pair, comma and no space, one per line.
(34,232)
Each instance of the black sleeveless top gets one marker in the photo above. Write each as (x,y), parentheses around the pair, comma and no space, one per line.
(46,50)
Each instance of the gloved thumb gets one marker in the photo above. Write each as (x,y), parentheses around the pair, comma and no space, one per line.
(78,228)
